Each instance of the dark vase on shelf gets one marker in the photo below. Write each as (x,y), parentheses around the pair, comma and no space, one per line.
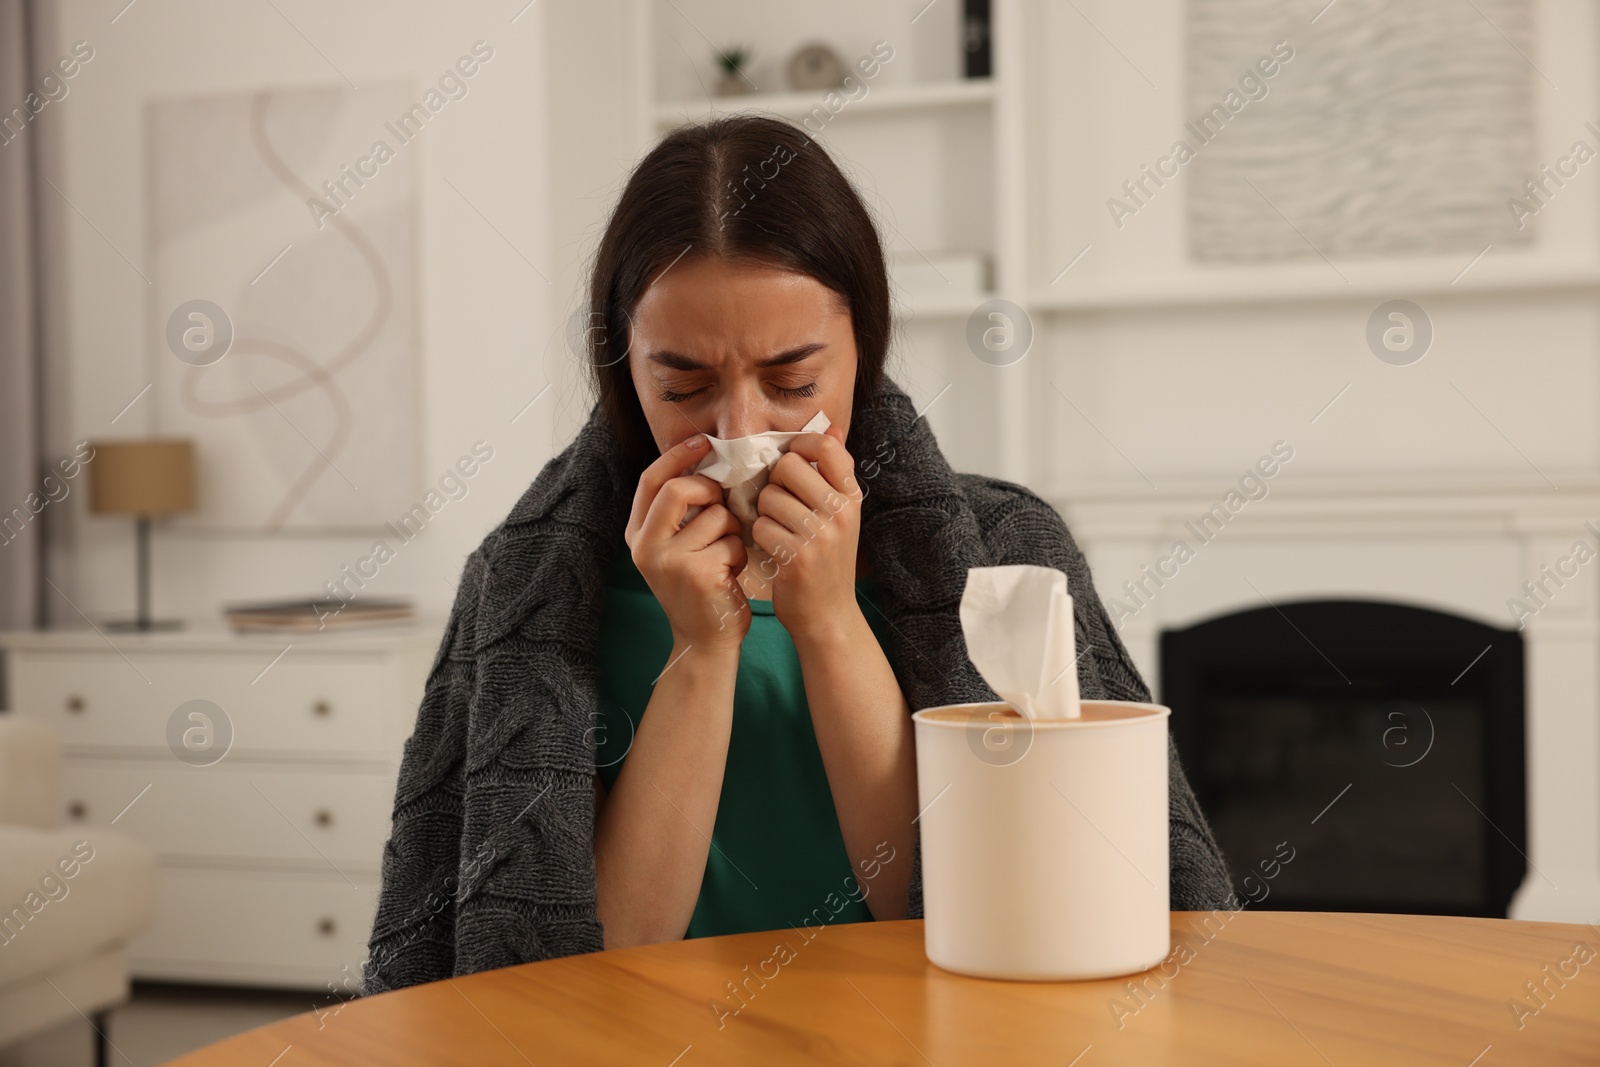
(975,39)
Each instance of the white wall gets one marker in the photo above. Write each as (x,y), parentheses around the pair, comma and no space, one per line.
(485,318)
(595,135)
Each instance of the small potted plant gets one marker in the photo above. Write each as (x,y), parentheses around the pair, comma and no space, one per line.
(733,61)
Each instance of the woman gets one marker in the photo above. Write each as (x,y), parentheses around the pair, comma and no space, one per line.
(647,722)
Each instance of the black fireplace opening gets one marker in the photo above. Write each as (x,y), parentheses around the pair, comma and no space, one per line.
(1382,744)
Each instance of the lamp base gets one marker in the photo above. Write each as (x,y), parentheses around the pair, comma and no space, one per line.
(142,625)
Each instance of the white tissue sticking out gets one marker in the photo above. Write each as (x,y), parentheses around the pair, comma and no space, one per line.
(1018,624)
(742,465)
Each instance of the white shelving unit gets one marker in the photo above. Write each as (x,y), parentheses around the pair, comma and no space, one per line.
(938,157)
(975,92)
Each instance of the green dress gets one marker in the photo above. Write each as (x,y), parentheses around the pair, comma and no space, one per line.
(778,858)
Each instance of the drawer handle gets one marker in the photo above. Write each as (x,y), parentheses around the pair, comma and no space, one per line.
(77,810)
(76,703)
(324,817)
(327,927)
(322,709)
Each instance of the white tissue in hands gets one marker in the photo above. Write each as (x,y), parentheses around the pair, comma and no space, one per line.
(1017,621)
(742,465)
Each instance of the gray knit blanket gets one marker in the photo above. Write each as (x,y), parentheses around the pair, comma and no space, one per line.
(490,861)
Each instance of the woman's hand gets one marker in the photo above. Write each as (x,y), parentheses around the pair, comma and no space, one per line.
(810,522)
(691,566)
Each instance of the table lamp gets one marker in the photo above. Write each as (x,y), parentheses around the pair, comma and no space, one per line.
(143,479)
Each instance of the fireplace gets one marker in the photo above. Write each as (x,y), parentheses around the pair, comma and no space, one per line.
(1452,552)
(1382,742)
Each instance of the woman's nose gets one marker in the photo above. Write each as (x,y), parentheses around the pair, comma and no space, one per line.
(741,416)
(730,427)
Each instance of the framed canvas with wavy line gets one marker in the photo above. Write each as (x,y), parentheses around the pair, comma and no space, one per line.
(284,318)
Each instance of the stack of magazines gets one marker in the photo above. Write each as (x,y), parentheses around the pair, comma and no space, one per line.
(310,615)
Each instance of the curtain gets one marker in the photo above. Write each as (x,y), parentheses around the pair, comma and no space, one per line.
(21,392)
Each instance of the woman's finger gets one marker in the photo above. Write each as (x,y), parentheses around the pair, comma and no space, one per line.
(781,505)
(834,472)
(728,549)
(666,513)
(729,601)
(774,538)
(712,524)
(671,464)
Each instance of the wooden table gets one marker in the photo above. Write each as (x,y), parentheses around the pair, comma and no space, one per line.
(1278,988)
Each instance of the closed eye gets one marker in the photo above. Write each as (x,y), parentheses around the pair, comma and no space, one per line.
(809,389)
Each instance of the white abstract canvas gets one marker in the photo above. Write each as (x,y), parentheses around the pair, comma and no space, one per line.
(276,208)
(1396,129)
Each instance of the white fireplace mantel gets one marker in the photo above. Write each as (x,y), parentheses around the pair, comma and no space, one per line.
(1449,545)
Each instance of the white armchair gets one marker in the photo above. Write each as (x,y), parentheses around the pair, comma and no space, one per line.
(70,899)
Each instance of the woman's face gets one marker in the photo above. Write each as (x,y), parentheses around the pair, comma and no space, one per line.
(734,349)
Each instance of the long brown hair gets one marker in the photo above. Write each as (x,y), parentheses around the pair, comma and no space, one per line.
(741,187)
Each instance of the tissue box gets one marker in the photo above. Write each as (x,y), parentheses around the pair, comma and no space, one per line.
(1048,859)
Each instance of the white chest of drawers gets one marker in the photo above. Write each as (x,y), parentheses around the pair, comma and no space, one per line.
(269,841)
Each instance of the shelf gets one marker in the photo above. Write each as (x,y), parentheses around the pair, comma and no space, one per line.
(931,96)
(1264,285)
(926,309)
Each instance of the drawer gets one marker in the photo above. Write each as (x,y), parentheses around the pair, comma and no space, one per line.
(315,819)
(266,928)
(315,704)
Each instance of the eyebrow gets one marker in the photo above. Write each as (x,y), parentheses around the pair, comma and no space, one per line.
(679,361)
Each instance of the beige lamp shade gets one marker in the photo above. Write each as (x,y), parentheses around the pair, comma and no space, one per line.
(150,477)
